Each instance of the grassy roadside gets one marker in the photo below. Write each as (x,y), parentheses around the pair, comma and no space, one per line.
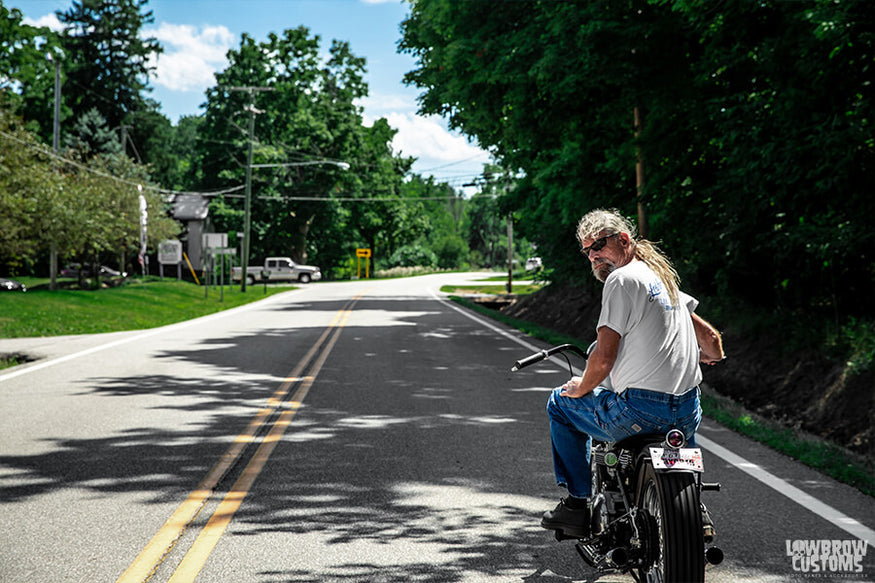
(491,289)
(136,305)
(824,456)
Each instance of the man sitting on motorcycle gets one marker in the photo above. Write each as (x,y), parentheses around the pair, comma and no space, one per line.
(649,345)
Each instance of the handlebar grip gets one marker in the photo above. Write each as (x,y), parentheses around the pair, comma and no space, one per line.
(529,360)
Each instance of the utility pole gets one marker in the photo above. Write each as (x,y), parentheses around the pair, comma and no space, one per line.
(639,174)
(509,253)
(123,138)
(247,204)
(56,125)
(56,143)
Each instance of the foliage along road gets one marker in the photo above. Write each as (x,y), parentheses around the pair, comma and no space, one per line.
(358,431)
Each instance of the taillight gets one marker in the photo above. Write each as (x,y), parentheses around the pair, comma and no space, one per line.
(675,439)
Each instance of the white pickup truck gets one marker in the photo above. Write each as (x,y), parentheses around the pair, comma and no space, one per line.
(278,269)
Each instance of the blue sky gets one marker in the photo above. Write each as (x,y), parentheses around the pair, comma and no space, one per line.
(196,34)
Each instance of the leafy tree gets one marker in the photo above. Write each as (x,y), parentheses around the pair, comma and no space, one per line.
(545,85)
(756,137)
(29,189)
(21,46)
(485,222)
(111,209)
(108,65)
(86,211)
(90,136)
(382,219)
(412,256)
(176,169)
(26,72)
(306,114)
(443,209)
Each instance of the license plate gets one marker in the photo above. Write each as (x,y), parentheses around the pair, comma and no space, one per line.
(677,459)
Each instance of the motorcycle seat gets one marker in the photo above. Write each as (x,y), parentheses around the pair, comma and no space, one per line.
(637,442)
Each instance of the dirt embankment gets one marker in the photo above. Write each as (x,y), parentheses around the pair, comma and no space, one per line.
(803,391)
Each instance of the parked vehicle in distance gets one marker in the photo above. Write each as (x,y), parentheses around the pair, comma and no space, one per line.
(11,285)
(73,269)
(278,269)
(533,264)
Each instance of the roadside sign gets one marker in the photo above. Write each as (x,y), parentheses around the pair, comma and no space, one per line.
(363,254)
(170,252)
(213,240)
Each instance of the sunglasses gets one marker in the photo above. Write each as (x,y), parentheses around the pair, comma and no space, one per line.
(598,244)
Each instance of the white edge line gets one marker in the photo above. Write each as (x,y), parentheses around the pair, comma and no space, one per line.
(804,499)
(151,332)
(828,513)
(554,359)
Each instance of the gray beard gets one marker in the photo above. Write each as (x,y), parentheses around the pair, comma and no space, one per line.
(603,270)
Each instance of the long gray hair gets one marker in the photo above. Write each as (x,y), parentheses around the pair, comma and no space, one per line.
(601,222)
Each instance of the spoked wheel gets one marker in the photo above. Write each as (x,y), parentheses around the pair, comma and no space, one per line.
(674,544)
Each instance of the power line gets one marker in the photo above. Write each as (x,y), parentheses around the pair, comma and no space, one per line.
(350,198)
(46,152)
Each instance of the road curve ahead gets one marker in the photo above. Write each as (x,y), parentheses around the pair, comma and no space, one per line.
(355,431)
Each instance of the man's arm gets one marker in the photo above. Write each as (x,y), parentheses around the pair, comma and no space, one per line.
(710,341)
(598,365)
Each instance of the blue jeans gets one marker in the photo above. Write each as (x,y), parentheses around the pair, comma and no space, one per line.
(608,416)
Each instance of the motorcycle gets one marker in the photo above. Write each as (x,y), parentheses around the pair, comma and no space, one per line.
(647,516)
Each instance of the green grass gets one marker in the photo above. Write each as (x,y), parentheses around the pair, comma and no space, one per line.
(490,289)
(517,275)
(824,456)
(136,305)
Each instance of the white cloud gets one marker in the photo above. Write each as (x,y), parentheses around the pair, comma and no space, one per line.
(437,150)
(50,20)
(427,138)
(379,105)
(191,55)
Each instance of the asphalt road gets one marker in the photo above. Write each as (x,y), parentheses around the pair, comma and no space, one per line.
(359,431)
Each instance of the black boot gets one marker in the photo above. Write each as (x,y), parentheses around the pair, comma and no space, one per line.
(572,522)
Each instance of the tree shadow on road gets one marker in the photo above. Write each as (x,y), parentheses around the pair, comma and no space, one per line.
(417,455)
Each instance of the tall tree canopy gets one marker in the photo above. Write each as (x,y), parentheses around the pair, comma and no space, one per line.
(110,71)
(304,115)
(757,135)
(28,55)
(87,211)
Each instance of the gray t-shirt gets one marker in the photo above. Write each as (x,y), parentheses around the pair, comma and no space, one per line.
(658,349)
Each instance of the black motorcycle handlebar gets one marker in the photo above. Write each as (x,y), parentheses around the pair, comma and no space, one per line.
(539,356)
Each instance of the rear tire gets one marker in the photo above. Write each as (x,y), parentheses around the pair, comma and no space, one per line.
(676,545)
(250,280)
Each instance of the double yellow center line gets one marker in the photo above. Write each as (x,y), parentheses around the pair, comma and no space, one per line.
(156,551)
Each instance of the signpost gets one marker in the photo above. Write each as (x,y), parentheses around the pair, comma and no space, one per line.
(215,244)
(366,254)
(170,253)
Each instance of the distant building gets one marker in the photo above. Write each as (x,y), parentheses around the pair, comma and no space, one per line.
(192,210)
